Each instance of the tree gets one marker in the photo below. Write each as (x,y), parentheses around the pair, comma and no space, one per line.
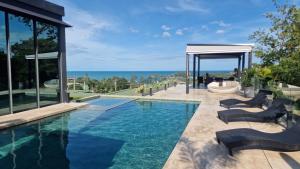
(279,46)
(133,81)
(282,39)
(297,26)
(142,80)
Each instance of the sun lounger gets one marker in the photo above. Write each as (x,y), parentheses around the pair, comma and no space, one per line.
(241,139)
(257,101)
(272,114)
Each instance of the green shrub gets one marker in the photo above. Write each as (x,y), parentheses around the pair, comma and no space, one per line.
(248,75)
(140,89)
(297,105)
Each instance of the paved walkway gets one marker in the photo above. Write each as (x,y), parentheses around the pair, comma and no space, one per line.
(11,120)
(198,148)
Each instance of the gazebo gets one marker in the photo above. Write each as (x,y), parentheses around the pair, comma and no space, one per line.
(216,51)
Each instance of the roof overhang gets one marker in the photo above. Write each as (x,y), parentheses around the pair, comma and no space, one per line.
(45,5)
(33,13)
(218,51)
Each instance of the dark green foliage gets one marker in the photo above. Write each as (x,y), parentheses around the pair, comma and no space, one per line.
(279,46)
(105,85)
(247,77)
(282,39)
(133,81)
(297,104)
(112,84)
(287,71)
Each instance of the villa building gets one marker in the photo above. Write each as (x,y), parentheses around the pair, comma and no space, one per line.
(32,55)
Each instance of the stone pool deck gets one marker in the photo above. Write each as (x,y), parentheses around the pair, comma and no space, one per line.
(198,149)
(11,120)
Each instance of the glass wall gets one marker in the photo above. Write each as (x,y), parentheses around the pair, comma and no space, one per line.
(4,95)
(22,63)
(24,58)
(47,37)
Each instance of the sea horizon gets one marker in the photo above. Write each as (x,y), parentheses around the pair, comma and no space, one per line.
(128,74)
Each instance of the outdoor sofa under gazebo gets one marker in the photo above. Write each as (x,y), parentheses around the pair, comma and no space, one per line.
(216,51)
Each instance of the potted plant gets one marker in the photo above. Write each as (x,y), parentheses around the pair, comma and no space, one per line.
(246,82)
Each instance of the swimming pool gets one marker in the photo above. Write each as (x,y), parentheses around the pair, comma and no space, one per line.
(136,134)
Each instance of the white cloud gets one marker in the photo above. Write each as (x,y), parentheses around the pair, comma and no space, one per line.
(166,34)
(204,27)
(133,30)
(165,28)
(221,23)
(179,32)
(220,31)
(85,49)
(186,5)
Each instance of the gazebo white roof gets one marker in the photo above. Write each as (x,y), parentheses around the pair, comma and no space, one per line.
(218,49)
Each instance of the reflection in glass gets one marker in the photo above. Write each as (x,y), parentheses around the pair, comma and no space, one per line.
(23,69)
(47,36)
(4,97)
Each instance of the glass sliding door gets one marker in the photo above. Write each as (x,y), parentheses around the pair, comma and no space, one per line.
(4,94)
(22,63)
(47,38)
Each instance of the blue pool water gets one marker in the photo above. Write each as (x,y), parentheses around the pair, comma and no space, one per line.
(137,134)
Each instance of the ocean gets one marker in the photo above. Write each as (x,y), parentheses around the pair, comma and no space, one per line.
(127,74)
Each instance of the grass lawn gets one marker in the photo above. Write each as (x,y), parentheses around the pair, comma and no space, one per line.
(126,92)
(77,94)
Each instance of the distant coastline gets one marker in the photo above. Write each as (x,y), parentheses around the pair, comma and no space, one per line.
(99,75)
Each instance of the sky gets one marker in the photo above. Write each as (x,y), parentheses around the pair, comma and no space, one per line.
(151,35)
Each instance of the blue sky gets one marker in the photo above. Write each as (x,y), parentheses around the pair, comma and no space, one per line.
(152,34)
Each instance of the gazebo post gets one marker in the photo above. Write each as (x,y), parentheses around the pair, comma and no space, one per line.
(243,63)
(198,78)
(187,73)
(249,59)
(194,71)
(239,68)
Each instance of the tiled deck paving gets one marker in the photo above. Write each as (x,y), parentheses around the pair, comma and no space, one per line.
(198,148)
(36,114)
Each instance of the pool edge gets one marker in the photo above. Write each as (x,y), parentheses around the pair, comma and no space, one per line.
(13,120)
